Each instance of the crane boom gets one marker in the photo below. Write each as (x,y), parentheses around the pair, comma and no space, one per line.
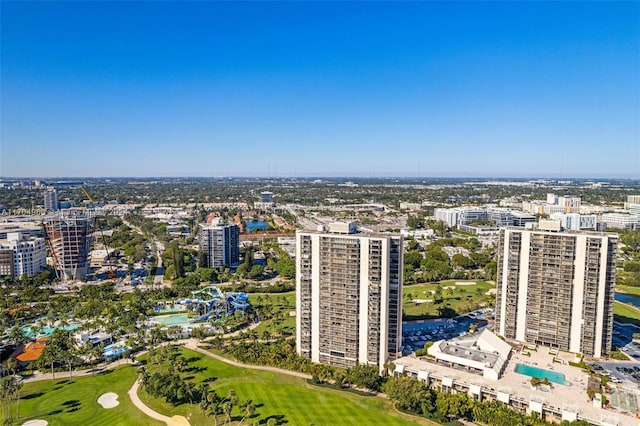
(86,194)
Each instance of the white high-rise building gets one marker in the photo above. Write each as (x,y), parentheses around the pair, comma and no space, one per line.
(348,296)
(556,289)
(22,255)
(220,241)
(51,200)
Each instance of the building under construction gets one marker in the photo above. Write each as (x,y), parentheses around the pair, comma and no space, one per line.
(68,238)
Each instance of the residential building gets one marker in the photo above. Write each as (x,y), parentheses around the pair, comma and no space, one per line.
(575,221)
(556,288)
(69,236)
(21,254)
(51,200)
(220,242)
(348,296)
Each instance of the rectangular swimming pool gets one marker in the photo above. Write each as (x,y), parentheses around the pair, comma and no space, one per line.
(541,373)
(171,319)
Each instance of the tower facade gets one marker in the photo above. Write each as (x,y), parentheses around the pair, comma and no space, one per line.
(51,200)
(348,296)
(556,289)
(220,241)
(69,242)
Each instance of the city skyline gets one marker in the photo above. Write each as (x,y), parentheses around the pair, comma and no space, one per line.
(315,89)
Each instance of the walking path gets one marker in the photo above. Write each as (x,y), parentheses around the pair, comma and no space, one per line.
(193,345)
(170,421)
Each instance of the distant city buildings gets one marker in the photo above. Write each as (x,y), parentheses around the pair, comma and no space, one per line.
(620,221)
(69,242)
(51,200)
(553,204)
(21,254)
(220,242)
(556,288)
(459,216)
(348,296)
(266,201)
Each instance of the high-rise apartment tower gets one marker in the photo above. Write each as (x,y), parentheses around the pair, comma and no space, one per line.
(220,242)
(556,289)
(348,296)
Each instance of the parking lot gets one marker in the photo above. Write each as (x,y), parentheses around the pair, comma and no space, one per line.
(416,333)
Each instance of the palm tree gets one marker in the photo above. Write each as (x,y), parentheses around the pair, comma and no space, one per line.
(12,365)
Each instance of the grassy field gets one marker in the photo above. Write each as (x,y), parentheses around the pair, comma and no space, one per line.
(628,290)
(281,305)
(289,400)
(623,312)
(74,402)
(460,300)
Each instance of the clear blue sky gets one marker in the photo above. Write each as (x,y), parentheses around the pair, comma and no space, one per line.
(320,89)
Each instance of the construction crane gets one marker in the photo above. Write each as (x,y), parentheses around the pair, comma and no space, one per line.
(86,194)
(112,271)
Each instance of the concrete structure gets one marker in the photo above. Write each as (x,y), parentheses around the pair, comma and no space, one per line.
(556,289)
(620,220)
(575,221)
(266,201)
(21,255)
(348,296)
(69,238)
(51,200)
(484,353)
(220,242)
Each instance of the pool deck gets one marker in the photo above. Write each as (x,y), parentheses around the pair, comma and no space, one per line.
(574,395)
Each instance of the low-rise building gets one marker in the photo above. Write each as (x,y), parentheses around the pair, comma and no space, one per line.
(485,353)
(620,221)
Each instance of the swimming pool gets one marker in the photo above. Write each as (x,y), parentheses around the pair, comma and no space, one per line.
(46,331)
(114,351)
(171,319)
(541,373)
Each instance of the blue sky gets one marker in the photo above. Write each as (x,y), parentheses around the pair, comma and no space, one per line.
(320,89)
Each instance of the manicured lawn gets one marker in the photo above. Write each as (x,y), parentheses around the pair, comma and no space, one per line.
(623,312)
(74,402)
(465,298)
(289,399)
(627,289)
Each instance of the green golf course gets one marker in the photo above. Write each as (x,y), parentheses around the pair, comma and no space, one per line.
(288,400)
(75,402)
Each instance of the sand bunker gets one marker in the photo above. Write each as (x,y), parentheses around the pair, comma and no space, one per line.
(465,283)
(420,301)
(491,291)
(452,287)
(108,400)
(292,313)
(35,423)
(178,421)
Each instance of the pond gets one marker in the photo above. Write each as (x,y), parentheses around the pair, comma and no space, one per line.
(628,298)
(256,224)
